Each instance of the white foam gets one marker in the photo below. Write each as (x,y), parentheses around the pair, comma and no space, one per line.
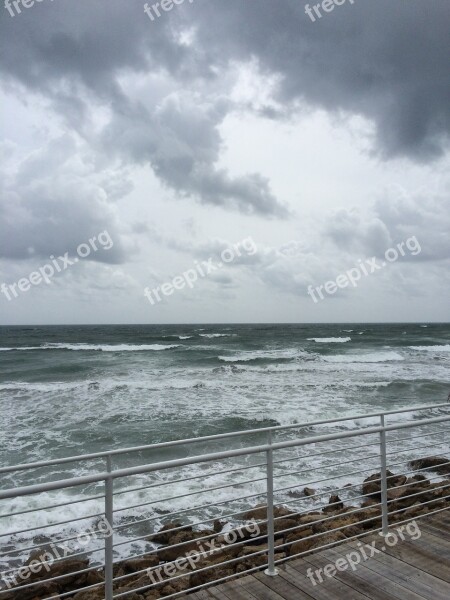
(215,335)
(23,348)
(332,340)
(109,347)
(257,354)
(444,348)
(375,357)
(99,347)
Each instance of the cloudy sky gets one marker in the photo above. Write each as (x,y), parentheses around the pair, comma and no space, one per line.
(325,142)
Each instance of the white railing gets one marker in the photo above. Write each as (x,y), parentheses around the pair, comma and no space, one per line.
(286,462)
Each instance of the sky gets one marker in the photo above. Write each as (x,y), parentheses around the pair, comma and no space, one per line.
(271,154)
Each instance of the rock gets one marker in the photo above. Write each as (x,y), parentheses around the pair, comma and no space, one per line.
(295,536)
(304,546)
(90,595)
(372,485)
(42,589)
(279,526)
(295,494)
(437,464)
(215,572)
(260,512)
(211,575)
(334,504)
(309,491)
(139,564)
(128,585)
(218,525)
(369,502)
(177,585)
(348,525)
(168,553)
(164,534)
(419,477)
(371,516)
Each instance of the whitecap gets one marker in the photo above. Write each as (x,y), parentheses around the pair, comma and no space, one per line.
(332,340)
(375,357)
(110,347)
(444,348)
(258,354)
(215,335)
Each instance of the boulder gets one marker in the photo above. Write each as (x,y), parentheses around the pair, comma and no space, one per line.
(334,504)
(164,534)
(304,546)
(90,595)
(437,464)
(132,565)
(372,485)
(260,512)
(187,538)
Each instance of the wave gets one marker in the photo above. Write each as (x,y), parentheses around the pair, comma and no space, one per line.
(364,358)
(249,355)
(22,348)
(216,335)
(332,340)
(99,347)
(444,348)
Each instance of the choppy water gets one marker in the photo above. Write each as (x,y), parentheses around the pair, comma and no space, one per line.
(74,390)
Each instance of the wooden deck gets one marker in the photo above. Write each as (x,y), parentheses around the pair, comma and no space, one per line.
(411,570)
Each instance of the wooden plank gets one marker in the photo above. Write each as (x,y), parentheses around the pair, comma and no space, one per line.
(412,577)
(281,586)
(434,541)
(230,591)
(199,595)
(259,590)
(439,528)
(295,573)
(440,519)
(420,557)
(364,580)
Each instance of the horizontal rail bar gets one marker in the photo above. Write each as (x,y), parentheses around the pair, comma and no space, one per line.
(183,479)
(209,438)
(38,509)
(95,478)
(202,491)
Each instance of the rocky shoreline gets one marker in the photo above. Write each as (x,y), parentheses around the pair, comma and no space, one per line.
(242,547)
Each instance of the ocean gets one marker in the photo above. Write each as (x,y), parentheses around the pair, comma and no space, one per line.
(69,390)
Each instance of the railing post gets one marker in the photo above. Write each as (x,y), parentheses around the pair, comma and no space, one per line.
(109,540)
(384,486)
(271,570)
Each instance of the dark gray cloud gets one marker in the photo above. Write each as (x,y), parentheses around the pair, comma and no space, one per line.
(385,60)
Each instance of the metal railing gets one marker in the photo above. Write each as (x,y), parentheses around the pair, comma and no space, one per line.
(286,521)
